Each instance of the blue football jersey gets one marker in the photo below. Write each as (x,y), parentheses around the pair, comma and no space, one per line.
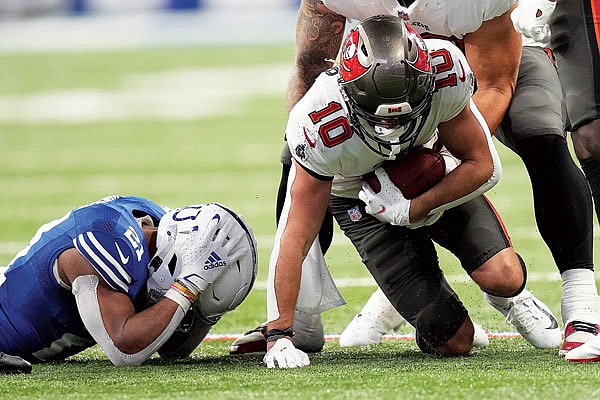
(39,319)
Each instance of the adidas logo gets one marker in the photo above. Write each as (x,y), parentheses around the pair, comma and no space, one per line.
(214,261)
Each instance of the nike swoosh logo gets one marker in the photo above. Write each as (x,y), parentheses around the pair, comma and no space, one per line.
(461,75)
(382,210)
(553,321)
(124,260)
(311,143)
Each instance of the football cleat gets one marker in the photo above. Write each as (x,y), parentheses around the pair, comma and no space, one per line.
(578,333)
(13,365)
(532,319)
(586,352)
(252,343)
(376,318)
(364,330)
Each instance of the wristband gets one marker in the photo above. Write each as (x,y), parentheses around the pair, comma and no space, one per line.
(186,291)
(275,334)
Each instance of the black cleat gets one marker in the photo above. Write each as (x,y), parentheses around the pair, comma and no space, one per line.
(13,365)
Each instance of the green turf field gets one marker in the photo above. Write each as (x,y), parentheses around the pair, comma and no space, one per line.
(230,153)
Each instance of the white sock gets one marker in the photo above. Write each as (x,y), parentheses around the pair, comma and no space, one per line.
(580,299)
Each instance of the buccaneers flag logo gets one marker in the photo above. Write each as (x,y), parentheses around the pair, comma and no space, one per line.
(350,65)
(423,61)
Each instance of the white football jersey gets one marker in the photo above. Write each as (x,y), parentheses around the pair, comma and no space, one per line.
(321,137)
(451,19)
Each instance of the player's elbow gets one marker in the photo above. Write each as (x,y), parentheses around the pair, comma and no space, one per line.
(482,172)
(496,174)
(124,354)
(125,362)
(122,359)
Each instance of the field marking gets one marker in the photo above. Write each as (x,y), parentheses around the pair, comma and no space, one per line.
(452,278)
(391,336)
(12,247)
(177,94)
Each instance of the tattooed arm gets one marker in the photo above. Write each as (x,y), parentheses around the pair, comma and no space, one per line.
(319,34)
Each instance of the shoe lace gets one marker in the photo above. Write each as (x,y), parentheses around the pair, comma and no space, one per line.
(523,314)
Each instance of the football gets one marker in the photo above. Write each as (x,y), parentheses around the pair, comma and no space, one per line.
(413,173)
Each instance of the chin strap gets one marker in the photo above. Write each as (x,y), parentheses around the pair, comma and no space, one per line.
(86,295)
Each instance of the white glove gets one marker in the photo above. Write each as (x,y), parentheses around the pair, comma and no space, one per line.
(389,205)
(530,19)
(221,240)
(283,354)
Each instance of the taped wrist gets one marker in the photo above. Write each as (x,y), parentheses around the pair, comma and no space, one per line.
(181,295)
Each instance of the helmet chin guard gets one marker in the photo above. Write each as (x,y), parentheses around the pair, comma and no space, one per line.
(227,292)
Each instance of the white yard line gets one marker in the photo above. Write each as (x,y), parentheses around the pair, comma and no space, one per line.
(179,94)
(391,336)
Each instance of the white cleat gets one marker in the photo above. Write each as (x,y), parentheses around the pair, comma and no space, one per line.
(586,352)
(531,317)
(578,333)
(377,318)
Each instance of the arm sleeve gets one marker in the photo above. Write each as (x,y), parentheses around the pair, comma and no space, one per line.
(86,295)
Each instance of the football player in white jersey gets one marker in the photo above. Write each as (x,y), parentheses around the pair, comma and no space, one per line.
(484,30)
(534,128)
(128,275)
(392,91)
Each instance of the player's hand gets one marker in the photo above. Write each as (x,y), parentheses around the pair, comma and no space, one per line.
(283,354)
(207,254)
(530,18)
(428,220)
(389,205)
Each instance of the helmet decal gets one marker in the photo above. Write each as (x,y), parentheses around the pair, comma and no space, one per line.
(422,61)
(350,65)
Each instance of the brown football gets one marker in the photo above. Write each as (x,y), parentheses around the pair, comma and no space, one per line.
(413,173)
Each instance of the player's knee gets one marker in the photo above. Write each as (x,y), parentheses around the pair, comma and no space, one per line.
(586,140)
(444,327)
(461,343)
(310,336)
(503,275)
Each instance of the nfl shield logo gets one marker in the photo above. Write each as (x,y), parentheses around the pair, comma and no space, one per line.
(354,214)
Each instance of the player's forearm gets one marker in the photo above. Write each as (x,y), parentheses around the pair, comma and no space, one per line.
(307,202)
(319,35)
(142,329)
(494,54)
(111,320)
(469,140)
(493,103)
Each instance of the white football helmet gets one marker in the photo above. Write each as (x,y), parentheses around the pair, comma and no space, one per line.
(227,292)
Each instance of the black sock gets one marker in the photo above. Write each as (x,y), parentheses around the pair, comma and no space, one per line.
(591,168)
(562,201)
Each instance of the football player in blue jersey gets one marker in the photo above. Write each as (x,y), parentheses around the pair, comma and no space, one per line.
(126,274)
